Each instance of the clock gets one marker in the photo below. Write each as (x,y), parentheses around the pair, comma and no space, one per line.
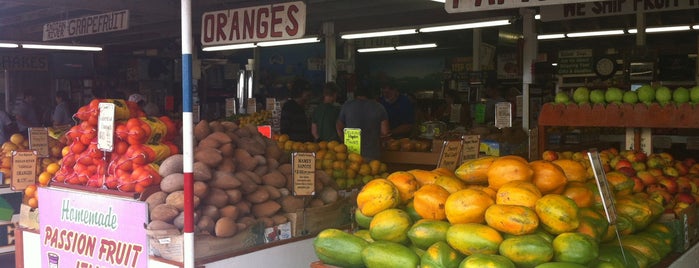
(605,67)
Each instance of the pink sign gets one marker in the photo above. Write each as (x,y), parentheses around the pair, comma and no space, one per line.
(82,229)
(265,130)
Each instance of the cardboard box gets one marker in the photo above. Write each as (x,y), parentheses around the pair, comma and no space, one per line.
(310,221)
(685,226)
(28,217)
(168,244)
(494,148)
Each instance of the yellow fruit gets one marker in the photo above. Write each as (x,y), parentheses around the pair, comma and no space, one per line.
(405,183)
(506,169)
(331,145)
(17,139)
(312,147)
(429,202)
(354,157)
(467,206)
(283,138)
(323,145)
(44,178)
(548,177)
(33,202)
(376,196)
(375,166)
(341,156)
(30,191)
(522,193)
(340,148)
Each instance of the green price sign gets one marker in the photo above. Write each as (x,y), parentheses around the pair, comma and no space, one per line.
(353,140)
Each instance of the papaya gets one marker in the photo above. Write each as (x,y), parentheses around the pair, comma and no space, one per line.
(382,254)
(475,171)
(624,225)
(405,183)
(527,250)
(620,183)
(512,219)
(390,225)
(429,202)
(424,177)
(637,210)
(486,260)
(573,170)
(580,193)
(592,223)
(451,184)
(335,247)
(548,177)
(410,209)
(642,245)
(611,256)
(506,169)
(472,238)
(376,196)
(661,230)
(426,232)
(557,213)
(441,255)
(560,264)
(364,234)
(467,206)
(518,193)
(575,247)
(362,220)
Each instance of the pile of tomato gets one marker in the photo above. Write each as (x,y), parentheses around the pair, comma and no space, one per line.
(139,144)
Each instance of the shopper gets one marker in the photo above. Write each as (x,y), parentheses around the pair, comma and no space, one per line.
(365,113)
(325,115)
(294,121)
(62,114)
(149,108)
(24,113)
(401,111)
(454,112)
(5,126)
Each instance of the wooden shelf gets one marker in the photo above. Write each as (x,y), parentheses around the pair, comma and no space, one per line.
(616,115)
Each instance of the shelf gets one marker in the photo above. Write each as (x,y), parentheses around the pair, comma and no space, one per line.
(623,115)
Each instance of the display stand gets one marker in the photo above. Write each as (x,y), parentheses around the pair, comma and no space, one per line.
(612,115)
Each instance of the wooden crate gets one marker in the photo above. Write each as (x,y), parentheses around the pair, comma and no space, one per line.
(310,221)
(685,226)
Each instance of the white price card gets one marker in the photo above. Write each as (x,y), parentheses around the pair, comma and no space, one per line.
(39,140)
(471,148)
(105,127)
(303,170)
(503,114)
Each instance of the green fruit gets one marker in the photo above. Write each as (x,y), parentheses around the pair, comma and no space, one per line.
(694,94)
(575,247)
(362,220)
(597,96)
(391,225)
(613,95)
(441,255)
(527,250)
(561,97)
(630,97)
(560,264)
(646,94)
(680,95)
(426,232)
(663,95)
(335,247)
(486,260)
(582,95)
(389,254)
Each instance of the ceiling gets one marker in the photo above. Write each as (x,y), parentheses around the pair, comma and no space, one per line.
(154,21)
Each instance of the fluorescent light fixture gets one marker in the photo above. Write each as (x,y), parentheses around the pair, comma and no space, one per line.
(537,16)
(550,36)
(554,64)
(62,47)
(379,34)
(595,33)
(289,42)
(229,47)
(441,1)
(419,46)
(663,29)
(465,26)
(9,45)
(695,27)
(375,49)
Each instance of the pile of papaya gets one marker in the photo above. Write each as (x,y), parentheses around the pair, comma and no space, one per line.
(499,212)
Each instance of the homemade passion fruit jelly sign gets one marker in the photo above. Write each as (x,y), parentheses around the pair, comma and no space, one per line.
(83,229)
(303,170)
(603,186)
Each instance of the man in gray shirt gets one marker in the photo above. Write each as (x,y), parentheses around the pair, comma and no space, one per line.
(368,115)
(24,113)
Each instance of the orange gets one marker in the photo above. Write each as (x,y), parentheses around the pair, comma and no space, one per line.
(506,169)
(44,178)
(33,202)
(467,206)
(548,177)
(52,168)
(17,139)
(30,191)
(340,148)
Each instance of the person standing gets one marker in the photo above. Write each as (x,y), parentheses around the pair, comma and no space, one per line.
(368,115)
(5,122)
(149,108)
(25,114)
(325,115)
(401,111)
(62,115)
(293,121)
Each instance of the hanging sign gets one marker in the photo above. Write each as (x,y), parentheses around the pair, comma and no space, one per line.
(24,166)
(23,62)
(457,6)
(88,25)
(39,140)
(353,140)
(303,170)
(450,157)
(252,106)
(503,114)
(603,185)
(105,127)
(471,148)
(83,229)
(254,24)
(572,10)
(230,107)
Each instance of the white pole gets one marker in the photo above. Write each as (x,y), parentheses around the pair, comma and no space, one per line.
(187,134)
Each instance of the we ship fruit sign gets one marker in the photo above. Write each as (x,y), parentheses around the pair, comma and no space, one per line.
(82,229)
(455,6)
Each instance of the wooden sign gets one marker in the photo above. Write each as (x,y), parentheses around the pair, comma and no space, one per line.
(353,140)
(270,104)
(603,185)
(471,148)
(39,140)
(303,170)
(105,127)
(450,157)
(457,6)
(24,167)
(230,107)
(252,106)
(88,25)
(503,114)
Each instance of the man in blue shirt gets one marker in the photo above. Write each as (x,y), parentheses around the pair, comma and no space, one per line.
(401,111)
